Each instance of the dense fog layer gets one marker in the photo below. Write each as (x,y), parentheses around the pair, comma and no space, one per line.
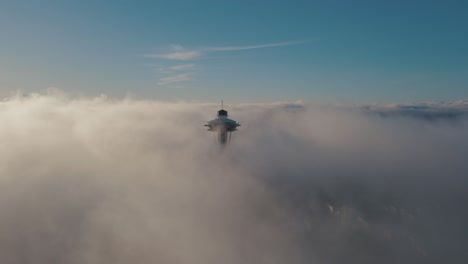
(97,180)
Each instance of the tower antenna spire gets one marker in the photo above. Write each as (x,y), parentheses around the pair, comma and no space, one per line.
(222,107)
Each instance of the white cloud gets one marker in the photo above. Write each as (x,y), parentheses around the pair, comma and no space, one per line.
(175,79)
(178,53)
(181,55)
(181,67)
(96,180)
(177,47)
(234,48)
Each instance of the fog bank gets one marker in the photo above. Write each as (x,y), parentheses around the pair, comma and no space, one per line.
(99,180)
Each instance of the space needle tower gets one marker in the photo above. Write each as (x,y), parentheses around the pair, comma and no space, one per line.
(223,126)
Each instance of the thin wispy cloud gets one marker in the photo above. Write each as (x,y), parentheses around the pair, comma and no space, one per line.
(180,55)
(181,67)
(177,52)
(270,45)
(184,77)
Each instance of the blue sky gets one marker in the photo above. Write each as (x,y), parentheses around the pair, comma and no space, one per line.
(241,51)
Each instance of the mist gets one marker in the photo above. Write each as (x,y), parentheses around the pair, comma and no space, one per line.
(102,180)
